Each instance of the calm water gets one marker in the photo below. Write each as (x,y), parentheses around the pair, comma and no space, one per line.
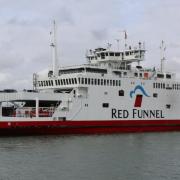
(108,157)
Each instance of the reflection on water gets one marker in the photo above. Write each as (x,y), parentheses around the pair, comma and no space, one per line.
(108,157)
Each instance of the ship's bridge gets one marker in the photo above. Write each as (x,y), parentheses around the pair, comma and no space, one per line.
(102,55)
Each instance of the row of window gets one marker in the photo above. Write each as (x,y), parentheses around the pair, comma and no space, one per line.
(163,86)
(168,76)
(87,81)
(159,85)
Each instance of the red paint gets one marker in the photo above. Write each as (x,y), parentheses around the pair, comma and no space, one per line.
(138,100)
(87,127)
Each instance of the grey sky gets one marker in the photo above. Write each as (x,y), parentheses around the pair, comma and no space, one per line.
(25,27)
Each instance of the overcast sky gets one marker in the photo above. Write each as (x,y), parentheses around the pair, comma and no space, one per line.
(82,24)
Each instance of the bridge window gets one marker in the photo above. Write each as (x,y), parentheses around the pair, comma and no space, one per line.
(111,54)
(75,80)
(168,76)
(55,82)
(67,81)
(117,54)
(160,75)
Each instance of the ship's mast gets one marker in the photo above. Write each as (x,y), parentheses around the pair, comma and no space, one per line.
(163,48)
(54,50)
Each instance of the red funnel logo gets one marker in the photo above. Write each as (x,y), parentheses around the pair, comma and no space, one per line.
(138,100)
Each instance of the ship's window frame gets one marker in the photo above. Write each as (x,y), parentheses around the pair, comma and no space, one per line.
(92,81)
(155,95)
(105,105)
(110,82)
(164,86)
(111,54)
(121,92)
(72,80)
(64,81)
(82,80)
(168,106)
(127,53)
(135,74)
(89,81)
(55,82)
(75,80)
(52,83)
(67,81)
(117,54)
(95,81)
(168,76)
(114,83)
(119,82)
(98,82)
(102,82)
(160,76)
(79,80)
(85,80)
(107,82)
(125,73)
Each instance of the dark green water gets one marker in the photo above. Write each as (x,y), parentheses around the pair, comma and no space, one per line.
(148,156)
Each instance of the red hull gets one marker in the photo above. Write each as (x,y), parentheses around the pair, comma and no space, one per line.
(87,127)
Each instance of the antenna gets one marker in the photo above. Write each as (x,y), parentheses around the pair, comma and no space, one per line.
(54,50)
(117,40)
(109,46)
(162,48)
(125,39)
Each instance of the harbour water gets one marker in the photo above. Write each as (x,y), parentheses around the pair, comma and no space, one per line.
(143,156)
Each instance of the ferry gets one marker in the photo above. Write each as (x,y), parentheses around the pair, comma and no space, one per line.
(111,93)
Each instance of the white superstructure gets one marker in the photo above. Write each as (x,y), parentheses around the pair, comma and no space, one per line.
(112,85)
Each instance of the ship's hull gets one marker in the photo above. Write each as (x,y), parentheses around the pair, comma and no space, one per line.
(87,127)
